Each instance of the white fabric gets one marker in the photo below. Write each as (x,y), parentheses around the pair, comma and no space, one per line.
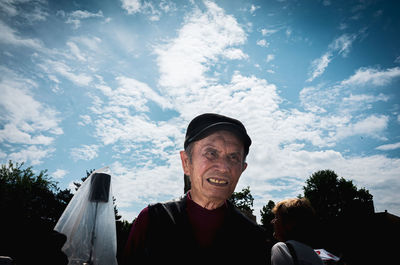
(77,224)
(325,255)
(280,254)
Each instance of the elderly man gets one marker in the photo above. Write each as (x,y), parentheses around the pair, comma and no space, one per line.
(202,227)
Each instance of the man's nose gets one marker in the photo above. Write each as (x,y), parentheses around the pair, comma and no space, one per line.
(223,164)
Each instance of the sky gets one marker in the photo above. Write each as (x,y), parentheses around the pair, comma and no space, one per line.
(92,84)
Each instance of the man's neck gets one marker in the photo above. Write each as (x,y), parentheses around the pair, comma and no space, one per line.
(206,203)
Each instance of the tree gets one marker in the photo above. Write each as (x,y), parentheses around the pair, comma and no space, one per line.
(345,213)
(244,201)
(266,218)
(266,213)
(30,204)
(333,197)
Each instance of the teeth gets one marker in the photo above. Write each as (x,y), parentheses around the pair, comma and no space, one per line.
(217,181)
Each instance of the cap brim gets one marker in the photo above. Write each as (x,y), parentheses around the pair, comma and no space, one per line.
(228,126)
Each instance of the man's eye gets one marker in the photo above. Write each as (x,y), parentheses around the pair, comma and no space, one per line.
(211,154)
(234,158)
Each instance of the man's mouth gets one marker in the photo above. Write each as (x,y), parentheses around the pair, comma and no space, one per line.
(217,182)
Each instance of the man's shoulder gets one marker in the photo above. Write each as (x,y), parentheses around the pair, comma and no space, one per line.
(244,221)
(169,209)
(240,216)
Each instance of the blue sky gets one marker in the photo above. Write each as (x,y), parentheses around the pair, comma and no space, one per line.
(89,84)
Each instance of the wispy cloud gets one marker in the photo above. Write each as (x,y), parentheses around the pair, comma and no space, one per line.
(77,16)
(85,152)
(25,120)
(59,173)
(372,76)
(15,8)
(262,43)
(387,147)
(267,32)
(11,37)
(63,69)
(200,43)
(340,45)
(34,155)
(131,6)
(149,8)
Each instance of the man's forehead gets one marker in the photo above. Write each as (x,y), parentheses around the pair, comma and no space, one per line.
(224,137)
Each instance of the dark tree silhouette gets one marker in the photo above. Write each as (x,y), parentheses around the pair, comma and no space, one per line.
(30,204)
(345,214)
(332,196)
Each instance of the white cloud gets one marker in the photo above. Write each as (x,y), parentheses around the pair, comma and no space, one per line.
(353,99)
(148,8)
(340,45)
(288,32)
(132,93)
(86,119)
(10,36)
(371,126)
(9,7)
(270,57)
(76,16)
(319,65)
(13,8)
(234,54)
(364,76)
(59,173)
(201,41)
(76,51)
(25,120)
(387,147)
(253,8)
(86,152)
(266,32)
(262,43)
(33,155)
(131,6)
(61,68)
(90,42)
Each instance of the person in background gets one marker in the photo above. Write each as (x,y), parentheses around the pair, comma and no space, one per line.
(202,227)
(293,228)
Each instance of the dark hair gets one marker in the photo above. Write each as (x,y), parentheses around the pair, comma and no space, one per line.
(301,217)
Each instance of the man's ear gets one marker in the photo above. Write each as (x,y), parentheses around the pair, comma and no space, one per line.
(185,163)
(244,166)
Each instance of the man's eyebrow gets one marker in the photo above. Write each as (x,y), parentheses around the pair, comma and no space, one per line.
(209,146)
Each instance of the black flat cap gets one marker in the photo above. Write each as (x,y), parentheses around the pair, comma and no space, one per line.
(205,124)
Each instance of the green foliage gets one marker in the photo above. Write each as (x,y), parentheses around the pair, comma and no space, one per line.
(31,204)
(243,200)
(332,196)
(266,214)
(23,193)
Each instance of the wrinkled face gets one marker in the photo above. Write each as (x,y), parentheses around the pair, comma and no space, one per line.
(217,163)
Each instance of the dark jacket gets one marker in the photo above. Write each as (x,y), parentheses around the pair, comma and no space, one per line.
(170,239)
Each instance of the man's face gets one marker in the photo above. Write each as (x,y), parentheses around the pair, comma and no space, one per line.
(217,163)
